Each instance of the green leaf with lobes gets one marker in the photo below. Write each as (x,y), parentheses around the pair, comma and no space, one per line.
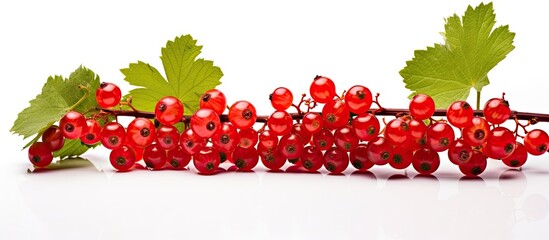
(57,97)
(447,72)
(187,77)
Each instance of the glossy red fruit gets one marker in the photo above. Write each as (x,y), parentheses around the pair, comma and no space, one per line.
(322,89)
(280,123)
(336,160)
(245,159)
(271,158)
(72,125)
(205,122)
(401,159)
(345,138)
(305,135)
(358,99)
(248,138)
(335,114)
(54,138)
(397,132)
(178,158)
(425,161)
(366,126)
(92,132)
(138,151)
(167,137)
(154,157)
(460,152)
(497,111)
(312,158)
(440,136)
(312,122)
(113,135)
(242,114)
(359,158)
(281,98)
(475,166)
(323,140)
(501,143)
(536,142)
(268,139)
(379,151)
(476,134)
(207,160)
(191,142)
(40,154)
(226,138)
(169,110)
(214,100)
(422,107)
(290,146)
(460,114)
(518,157)
(122,158)
(417,130)
(108,95)
(142,132)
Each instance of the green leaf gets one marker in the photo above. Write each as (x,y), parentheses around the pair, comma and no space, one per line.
(58,96)
(187,77)
(447,72)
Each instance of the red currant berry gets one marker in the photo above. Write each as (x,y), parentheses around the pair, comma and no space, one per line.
(425,161)
(154,157)
(54,138)
(167,137)
(242,114)
(336,160)
(226,138)
(72,125)
(291,146)
(169,110)
(113,135)
(422,107)
(280,123)
(460,114)
(178,158)
(440,136)
(205,122)
(379,151)
(518,157)
(281,98)
(476,133)
(501,143)
(191,142)
(322,89)
(497,111)
(108,95)
(40,154)
(248,138)
(142,132)
(312,122)
(536,142)
(460,152)
(92,132)
(475,166)
(312,158)
(401,159)
(245,158)
(358,99)
(271,158)
(207,160)
(335,114)
(298,129)
(359,158)
(122,158)
(268,139)
(397,131)
(345,138)
(323,140)
(366,126)
(417,130)
(214,100)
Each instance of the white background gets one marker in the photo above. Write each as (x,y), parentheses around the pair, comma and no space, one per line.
(260,46)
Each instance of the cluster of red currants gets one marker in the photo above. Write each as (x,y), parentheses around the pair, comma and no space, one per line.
(346,131)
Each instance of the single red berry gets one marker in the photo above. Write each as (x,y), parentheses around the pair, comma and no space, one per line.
(336,160)
(290,146)
(113,135)
(366,126)
(345,138)
(54,138)
(475,166)
(226,138)
(142,132)
(207,160)
(72,125)
(248,138)
(92,132)
(242,114)
(440,136)
(460,114)
(401,159)
(358,99)
(271,158)
(108,95)
(324,139)
(322,89)
(426,161)
(497,111)
(312,122)
(312,158)
(167,137)
(359,158)
(40,154)
(501,143)
(335,114)
(268,139)
(518,157)
(245,159)
(169,110)
(214,100)
(422,107)
(536,142)
(476,134)
(281,98)
(122,158)
(379,151)
(417,130)
(178,158)
(280,123)
(397,131)
(305,135)
(154,157)
(205,122)
(191,142)
(460,152)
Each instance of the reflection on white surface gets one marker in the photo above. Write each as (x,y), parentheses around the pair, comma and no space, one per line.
(78,200)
